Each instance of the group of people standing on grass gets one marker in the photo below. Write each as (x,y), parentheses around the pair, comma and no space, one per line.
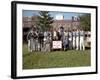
(39,40)
(74,39)
(42,40)
(71,39)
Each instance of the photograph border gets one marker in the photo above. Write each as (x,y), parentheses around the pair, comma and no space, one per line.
(14,38)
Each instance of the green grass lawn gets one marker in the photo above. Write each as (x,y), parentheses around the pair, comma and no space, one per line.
(55,59)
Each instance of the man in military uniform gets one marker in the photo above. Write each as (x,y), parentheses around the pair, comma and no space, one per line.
(77,39)
(70,39)
(82,46)
(74,38)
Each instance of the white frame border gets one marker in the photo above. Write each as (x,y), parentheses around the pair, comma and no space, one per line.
(36,72)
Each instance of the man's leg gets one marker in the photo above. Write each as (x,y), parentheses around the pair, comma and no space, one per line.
(64,46)
(77,43)
(36,45)
(28,45)
(73,43)
(80,44)
(33,45)
(83,45)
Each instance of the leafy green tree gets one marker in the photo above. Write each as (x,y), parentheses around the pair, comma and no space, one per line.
(85,22)
(44,20)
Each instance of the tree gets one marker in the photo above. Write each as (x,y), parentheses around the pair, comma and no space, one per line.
(85,22)
(44,20)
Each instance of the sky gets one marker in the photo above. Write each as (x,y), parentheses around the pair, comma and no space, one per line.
(67,15)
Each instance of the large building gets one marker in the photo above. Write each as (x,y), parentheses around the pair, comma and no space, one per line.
(67,24)
(59,21)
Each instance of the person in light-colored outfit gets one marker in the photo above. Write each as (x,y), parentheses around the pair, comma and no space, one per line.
(70,39)
(82,46)
(54,35)
(44,40)
(74,39)
(77,39)
(48,48)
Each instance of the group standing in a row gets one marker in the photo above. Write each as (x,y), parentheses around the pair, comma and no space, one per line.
(71,39)
(42,41)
